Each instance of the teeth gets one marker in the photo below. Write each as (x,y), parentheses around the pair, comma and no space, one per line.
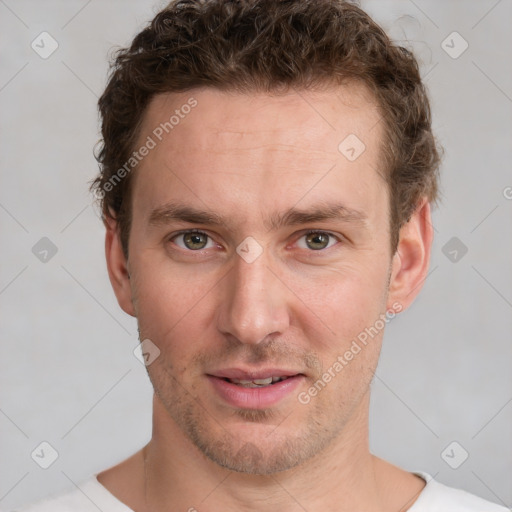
(256,383)
(263,382)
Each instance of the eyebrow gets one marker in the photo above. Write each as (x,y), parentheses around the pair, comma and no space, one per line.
(172,212)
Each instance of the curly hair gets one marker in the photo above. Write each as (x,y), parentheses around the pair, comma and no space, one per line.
(268,46)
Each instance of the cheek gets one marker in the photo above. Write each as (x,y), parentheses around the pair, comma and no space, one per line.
(350,306)
(347,300)
(169,303)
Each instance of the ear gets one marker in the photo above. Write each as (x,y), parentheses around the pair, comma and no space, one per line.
(118,267)
(411,261)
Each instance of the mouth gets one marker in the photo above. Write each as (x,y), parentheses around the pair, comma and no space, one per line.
(254,389)
(256,383)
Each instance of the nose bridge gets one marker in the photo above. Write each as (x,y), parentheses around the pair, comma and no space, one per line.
(253,305)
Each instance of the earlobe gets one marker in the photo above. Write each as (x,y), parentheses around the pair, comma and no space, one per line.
(118,267)
(411,260)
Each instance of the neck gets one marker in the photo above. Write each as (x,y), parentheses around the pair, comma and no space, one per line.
(342,477)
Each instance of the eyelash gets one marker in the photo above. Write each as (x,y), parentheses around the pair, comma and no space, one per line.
(306,234)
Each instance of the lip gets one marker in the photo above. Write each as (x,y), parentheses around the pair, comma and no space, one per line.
(254,398)
(239,373)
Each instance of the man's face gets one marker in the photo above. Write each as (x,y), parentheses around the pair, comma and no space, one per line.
(286,303)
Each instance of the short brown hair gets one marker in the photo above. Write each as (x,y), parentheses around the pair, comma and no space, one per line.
(268,46)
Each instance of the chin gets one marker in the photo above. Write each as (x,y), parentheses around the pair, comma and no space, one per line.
(258,448)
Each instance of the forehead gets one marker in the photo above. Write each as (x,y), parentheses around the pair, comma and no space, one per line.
(260,149)
(335,109)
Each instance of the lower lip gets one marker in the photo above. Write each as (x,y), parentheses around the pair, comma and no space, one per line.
(255,398)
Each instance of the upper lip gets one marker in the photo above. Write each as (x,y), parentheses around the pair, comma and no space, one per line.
(238,373)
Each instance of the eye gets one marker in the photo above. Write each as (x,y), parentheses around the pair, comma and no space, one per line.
(193,240)
(317,240)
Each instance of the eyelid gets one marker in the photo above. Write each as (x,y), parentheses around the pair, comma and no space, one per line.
(322,232)
(185,232)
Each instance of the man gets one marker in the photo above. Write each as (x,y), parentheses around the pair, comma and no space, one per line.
(267,171)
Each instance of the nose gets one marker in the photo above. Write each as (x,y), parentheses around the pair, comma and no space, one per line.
(254,302)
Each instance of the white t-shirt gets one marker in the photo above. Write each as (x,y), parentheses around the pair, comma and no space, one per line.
(91,496)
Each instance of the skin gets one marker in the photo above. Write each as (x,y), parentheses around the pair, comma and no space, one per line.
(245,157)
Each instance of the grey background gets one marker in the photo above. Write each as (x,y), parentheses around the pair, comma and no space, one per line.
(68,373)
